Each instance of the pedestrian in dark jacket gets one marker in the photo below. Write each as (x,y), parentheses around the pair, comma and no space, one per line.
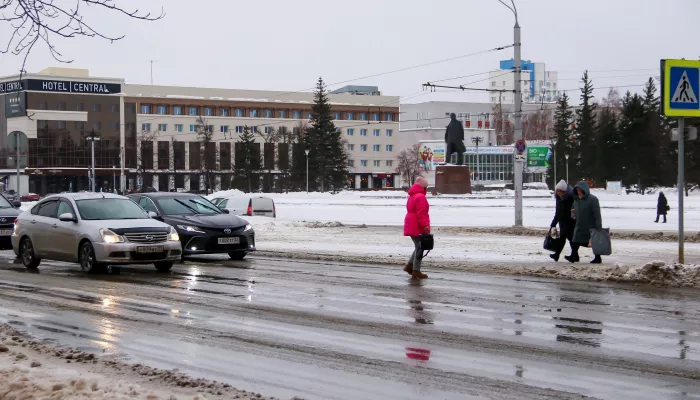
(454,139)
(662,207)
(562,216)
(416,223)
(586,212)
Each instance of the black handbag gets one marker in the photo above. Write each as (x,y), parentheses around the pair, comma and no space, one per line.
(426,241)
(552,243)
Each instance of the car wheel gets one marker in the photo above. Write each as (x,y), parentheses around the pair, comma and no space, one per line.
(164,266)
(26,252)
(88,261)
(239,255)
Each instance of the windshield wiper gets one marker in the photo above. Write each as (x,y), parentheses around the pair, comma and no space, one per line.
(204,205)
(185,204)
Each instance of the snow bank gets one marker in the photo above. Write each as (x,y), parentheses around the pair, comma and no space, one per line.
(37,370)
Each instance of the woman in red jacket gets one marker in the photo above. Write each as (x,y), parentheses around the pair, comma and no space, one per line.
(416,223)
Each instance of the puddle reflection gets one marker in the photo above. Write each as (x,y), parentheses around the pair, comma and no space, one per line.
(417,310)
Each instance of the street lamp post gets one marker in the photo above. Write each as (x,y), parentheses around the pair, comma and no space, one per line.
(114,179)
(92,138)
(307,169)
(567,168)
(476,141)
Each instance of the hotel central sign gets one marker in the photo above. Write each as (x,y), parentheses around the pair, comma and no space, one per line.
(56,86)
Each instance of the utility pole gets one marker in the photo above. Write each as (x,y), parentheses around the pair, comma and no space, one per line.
(518,134)
(476,141)
(152,72)
(307,170)
(17,162)
(92,138)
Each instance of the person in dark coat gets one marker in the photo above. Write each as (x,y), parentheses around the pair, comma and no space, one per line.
(662,207)
(562,216)
(454,139)
(586,212)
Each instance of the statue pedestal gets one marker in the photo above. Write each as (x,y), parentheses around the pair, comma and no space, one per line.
(453,179)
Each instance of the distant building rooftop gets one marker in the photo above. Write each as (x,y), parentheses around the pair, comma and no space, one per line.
(359,90)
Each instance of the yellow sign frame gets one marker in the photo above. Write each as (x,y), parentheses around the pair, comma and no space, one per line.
(668,90)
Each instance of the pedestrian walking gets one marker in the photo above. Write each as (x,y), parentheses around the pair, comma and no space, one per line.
(662,207)
(416,223)
(562,216)
(586,212)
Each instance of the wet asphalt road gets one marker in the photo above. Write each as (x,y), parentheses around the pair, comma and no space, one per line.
(320,330)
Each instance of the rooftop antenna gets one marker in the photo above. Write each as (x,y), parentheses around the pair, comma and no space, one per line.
(152,61)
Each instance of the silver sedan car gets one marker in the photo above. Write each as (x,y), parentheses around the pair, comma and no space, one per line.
(95,230)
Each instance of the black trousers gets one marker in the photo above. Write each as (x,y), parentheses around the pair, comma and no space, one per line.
(566,236)
(658,215)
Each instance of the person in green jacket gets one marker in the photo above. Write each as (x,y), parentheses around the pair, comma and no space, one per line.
(586,212)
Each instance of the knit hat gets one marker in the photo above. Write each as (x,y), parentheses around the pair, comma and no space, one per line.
(561,185)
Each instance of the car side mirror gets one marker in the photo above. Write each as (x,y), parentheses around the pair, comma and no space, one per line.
(17,204)
(226,210)
(67,217)
(153,215)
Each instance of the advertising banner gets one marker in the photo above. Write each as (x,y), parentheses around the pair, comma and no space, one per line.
(538,156)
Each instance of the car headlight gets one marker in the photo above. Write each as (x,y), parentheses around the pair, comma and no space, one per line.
(173,236)
(190,229)
(248,227)
(111,237)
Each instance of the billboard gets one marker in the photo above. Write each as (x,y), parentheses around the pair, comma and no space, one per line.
(430,155)
(538,156)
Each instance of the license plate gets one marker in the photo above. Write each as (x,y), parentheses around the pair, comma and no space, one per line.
(149,249)
(230,240)
(5,232)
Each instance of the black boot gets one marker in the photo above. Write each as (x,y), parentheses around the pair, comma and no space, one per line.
(554,257)
(664,219)
(597,260)
(572,258)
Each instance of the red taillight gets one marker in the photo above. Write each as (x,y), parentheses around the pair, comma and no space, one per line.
(17,219)
(250,209)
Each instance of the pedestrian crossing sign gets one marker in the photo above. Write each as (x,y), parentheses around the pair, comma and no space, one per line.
(680,88)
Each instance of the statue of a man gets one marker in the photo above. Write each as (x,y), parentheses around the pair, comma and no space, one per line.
(454,138)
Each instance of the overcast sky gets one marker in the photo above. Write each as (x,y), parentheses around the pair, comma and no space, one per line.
(287,45)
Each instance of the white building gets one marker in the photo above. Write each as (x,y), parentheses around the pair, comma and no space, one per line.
(538,84)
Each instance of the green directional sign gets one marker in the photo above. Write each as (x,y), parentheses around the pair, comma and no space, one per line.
(538,156)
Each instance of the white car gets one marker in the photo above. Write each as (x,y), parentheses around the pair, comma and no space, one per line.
(94,230)
(247,205)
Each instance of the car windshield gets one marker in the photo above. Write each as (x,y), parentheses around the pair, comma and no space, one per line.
(187,206)
(4,203)
(105,209)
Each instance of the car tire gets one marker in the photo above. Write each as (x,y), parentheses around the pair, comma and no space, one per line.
(27,254)
(164,266)
(88,261)
(237,255)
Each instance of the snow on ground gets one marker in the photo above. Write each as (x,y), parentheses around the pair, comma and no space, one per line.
(470,251)
(34,370)
(632,212)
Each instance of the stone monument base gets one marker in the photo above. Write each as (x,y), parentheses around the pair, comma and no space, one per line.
(453,179)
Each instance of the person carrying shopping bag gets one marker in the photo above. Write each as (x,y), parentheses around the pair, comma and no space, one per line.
(586,212)
(416,223)
(562,216)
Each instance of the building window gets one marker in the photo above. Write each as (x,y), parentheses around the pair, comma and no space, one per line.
(308,115)
(375,117)
(363,163)
(223,128)
(269,129)
(80,107)
(253,113)
(389,163)
(363,116)
(60,125)
(145,109)
(163,127)
(281,114)
(97,126)
(390,132)
(239,129)
(376,147)
(388,117)
(376,163)
(194,111)
(337,115)
(146,127)
(210,128)
(389,147)
(363,132)
(350,116)
(493,84)
(114,125)
(80,125)
(61,106)
(351,147)
(177,110)
(376,132)
(42,124)
(351,163)
(351,132)
(208,111)
(238,112)
(193,128)
(162,110)
(296,114)
(363,147)
(178,127)
(254,129)
(224,112)
(268,114)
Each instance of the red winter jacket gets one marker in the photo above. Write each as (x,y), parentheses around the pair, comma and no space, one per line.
(417,218)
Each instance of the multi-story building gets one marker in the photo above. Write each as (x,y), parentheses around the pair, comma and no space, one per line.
(538,84)
(149,133)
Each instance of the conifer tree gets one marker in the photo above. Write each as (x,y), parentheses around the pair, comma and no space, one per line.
(585,131)
(563,116)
